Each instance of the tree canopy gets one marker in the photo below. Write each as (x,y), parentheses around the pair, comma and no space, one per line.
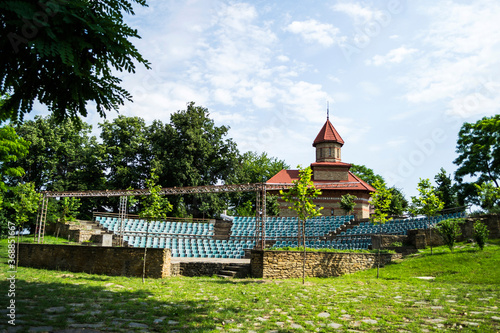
(190,150)
(446,190)
(301,195)
(63,54)
(366,174)
(478,149)
(427,202)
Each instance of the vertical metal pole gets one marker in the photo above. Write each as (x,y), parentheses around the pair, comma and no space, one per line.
(258,227)
(122,214)
(263,215)
(41,219)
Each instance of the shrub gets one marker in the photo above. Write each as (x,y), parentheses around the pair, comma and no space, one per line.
(449,230)
(481,234)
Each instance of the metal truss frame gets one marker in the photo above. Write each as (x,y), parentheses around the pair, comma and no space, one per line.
(260,189)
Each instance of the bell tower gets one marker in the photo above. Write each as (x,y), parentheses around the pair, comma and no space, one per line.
(328,143)
(329,165)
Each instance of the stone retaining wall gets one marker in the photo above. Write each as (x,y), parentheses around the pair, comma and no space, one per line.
(96,260)
(288,264)
(421,238)
(77,231)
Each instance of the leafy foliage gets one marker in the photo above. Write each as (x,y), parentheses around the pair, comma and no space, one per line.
(427,202)
(366,174)
(478,149)
(63,54)
(12,148)
(489,196)
(254,168)
(154,205)
(398,204)
(68,209)
(381,201)
(24,202)
(449,230)
(347,202)
(481,233)
(63,156)
(189,151)
(301,195)
(446,190)
(127,154)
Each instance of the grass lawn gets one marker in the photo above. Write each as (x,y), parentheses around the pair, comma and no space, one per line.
(463,296)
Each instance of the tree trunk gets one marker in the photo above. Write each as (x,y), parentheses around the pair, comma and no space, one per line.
(305,253)
(145,253)
(430,235)
(378,253)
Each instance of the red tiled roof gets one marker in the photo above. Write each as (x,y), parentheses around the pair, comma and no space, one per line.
(284,177)
(328,134)
(352,183)
(340,164)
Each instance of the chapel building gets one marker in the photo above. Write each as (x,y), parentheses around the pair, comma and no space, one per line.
(331,175)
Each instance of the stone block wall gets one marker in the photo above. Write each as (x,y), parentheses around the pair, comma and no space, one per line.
(77,231)
(96,260)
(288,264)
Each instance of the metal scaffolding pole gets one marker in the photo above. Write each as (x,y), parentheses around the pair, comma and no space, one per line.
(259,188)
(41,220)
(122,215)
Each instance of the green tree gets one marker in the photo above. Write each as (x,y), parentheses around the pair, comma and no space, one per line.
(63,156)
(24,203)
(300,196)
(489,196)
(399,204)
(478,149)
(252,167)
(127,157)
(366,174)
(64,54)
(12,148)
(449,230)
(480,234)
(445,189)
(200,153)
(154,207)
(426,203)
(68,209)
(347,203)
(381,201)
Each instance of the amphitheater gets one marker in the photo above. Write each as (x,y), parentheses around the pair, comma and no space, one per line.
(199,239)
(233,239)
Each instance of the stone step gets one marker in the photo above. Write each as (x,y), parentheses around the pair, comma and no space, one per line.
(225,276)
(227,273)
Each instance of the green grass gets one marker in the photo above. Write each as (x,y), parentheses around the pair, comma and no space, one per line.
(464,296)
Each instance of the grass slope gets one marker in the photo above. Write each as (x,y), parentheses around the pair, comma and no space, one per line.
(463,296)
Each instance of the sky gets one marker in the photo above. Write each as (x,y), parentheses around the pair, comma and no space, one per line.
(400,77)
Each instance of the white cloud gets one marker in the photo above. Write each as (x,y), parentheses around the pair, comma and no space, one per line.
(394,56)
(357,12)
(462,45)
(314,31)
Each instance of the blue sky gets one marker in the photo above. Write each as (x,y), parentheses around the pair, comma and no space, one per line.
(400,76)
